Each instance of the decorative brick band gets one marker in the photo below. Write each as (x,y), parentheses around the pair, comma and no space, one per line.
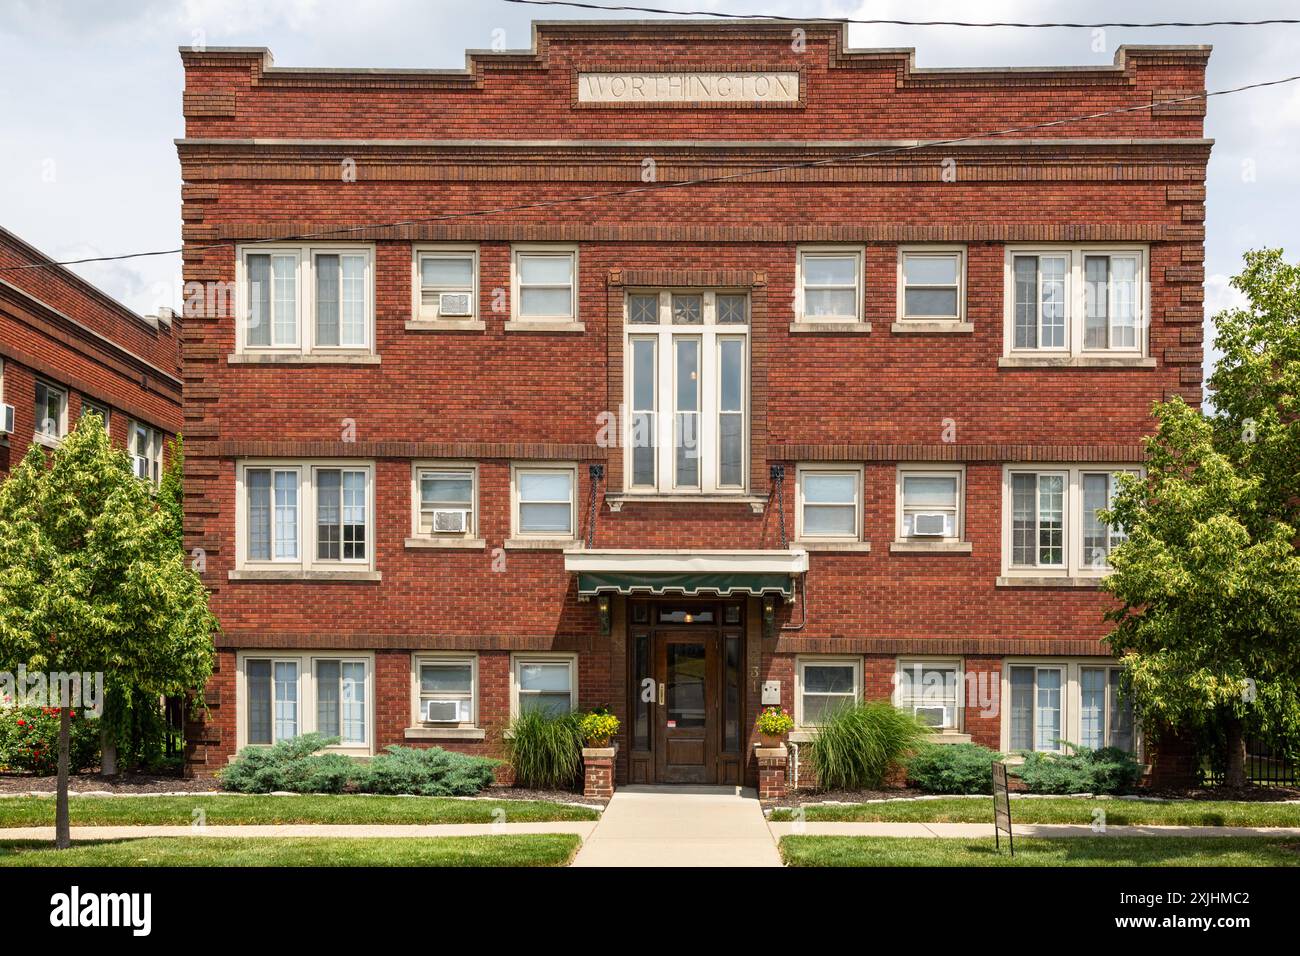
(893,646)
(474,641)
(1003,452)
(542,451)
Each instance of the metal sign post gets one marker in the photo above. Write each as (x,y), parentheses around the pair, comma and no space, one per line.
(1002,808)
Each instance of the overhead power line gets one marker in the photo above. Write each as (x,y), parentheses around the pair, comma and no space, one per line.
(629,8)
(676,184)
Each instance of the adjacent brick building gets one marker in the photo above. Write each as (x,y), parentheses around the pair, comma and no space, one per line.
(463,443)
(66,348)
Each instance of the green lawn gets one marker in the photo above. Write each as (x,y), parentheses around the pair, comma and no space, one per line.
(129,811)
(1058,810)
(519,850)
(1072,851)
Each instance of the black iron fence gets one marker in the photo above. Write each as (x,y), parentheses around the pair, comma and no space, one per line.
(1268,764)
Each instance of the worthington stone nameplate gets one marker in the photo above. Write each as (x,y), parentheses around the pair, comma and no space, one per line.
(758,87)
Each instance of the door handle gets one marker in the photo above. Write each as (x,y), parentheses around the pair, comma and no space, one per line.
(662,700)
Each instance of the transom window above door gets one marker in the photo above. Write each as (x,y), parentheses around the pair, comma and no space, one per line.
(687,392)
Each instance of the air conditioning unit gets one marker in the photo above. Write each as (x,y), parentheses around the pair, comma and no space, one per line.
(453,303)
(7,419)
(929,524)
(442,711)
(934,716)
(450,521)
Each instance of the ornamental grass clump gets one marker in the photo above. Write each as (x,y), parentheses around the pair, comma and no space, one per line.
(545,750)
(853,747)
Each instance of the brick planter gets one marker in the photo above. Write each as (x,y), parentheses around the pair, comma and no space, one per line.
(772,763)
(598,772)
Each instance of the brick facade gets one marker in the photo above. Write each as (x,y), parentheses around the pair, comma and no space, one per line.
(270,153)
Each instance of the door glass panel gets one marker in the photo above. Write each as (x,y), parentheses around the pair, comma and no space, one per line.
(676,615)
(685,685)
(731,693)
(640,706)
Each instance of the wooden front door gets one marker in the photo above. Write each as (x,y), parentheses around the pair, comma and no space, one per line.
(686,669)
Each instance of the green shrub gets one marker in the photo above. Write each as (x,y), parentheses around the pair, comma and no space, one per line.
(293,765)
(29,740)
(854,747)
(545,750)
(429,772)
(952,768)
(1079,770)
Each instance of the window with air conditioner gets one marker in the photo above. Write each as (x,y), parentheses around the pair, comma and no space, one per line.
(445,497)
(446,688)
(145,445)
(446,284)
(931,691)
(930,503)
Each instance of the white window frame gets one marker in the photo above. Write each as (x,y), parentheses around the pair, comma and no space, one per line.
(307,701)
(1111,702)
(430,313)
(518,660)
(1074,564)
(710,334)
(931,252)
(804,661)
(453,659)
(1075,311)
(154,459)
(89,405)
(306,471)
(859,255)
(857,472)
(1071,697)
(543,249)
(959,705)
(914,470)
(305,299)
(61,426)
(418,469)
(543,467)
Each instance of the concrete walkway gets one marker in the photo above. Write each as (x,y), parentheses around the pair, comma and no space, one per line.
(972,831)
(681,826)
(581,827)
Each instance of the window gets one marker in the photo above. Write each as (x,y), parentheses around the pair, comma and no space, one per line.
(826,685)
(930,504)
(930,691)
(295,516)
(285,695)
(546,684)
(829,505)
(51,411)
(687,391)
(829,283)
(95,408)
(446,691)
(446,282)
(1077,301)
(307,299)
(931,285)
(1052,523)
(1037,708)
(145,445)
(445,501)
(545,284)
(1105,711)
(544,501)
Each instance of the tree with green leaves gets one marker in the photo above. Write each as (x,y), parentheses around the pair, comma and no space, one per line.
(91,582)
(1208,580)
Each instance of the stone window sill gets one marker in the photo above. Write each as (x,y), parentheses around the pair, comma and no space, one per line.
(445,325)
(297,358)
(300,575)
(445,733)
(930,547)
(464,544)
(830,328)
(1061,581)
(46,441)
(816,545)
(932,328)
(544,327)
(1075,361)
(539,544)
(616,501)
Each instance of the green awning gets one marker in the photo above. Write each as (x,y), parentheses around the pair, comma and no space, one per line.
(687,584)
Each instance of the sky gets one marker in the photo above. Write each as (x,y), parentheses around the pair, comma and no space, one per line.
(90,97)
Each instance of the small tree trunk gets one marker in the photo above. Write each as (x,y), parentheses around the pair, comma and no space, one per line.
(62,830)
(1235,776)
(107,751)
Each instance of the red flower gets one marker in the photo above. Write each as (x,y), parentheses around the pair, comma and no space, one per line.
(22,723)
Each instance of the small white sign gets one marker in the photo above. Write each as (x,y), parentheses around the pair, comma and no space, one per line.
(676,87)
(771,692)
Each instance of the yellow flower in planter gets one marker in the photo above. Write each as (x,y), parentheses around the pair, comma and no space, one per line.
(598,728)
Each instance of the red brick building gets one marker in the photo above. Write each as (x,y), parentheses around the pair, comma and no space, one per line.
(66,349)
(495,420)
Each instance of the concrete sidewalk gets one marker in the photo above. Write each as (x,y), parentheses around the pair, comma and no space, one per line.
(681,826)
(972,831)
(581,827)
